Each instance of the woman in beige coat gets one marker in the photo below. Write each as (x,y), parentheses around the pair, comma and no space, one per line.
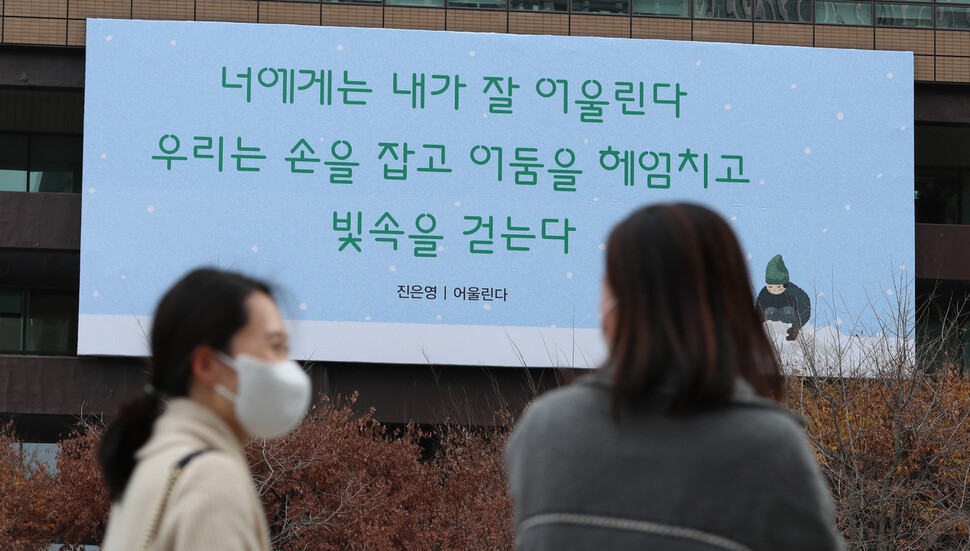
(220,375)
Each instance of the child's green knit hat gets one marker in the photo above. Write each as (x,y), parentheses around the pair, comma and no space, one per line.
(776,273)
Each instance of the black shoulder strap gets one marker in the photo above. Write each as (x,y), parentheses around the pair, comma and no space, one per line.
(159,509)
(185,460)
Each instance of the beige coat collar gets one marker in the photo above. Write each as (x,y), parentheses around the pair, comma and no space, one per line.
(186,420)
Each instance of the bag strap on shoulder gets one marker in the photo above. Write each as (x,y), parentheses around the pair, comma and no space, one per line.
(173,476)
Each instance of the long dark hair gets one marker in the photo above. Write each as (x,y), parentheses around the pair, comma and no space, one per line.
(206,307)
(686,314)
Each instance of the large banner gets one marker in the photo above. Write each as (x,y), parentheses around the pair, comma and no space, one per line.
(436,197)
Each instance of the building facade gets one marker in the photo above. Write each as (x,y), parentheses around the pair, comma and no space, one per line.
(44,385)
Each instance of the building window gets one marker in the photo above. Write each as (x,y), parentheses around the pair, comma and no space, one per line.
(952,17)
(38,321)
(904,15)
(797,11)
(601,6)
(539,5)
(478,4)
(11,320)
(844,13)
(40,163)
(663,8)
(421,3)
(734,10)
(942,196)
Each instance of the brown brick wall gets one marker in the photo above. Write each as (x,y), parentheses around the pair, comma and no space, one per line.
(477,21)
(112,9)
(783,34)
(723,31)
(35,8)
(953,43)
(431,19)
(858,38)
(953,69)
(177,10)
(76,32)
(336,15)
(668,29)
(293,13)
(243,11)
(918,41)
(924,67)
(538,23)
(34,30)
(599,25)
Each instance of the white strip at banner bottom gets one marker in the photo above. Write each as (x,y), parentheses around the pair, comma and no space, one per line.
(375,342)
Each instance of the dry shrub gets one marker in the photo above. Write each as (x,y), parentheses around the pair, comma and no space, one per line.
(473,509)
(891,433)
(895,453)
(76,501)
(21,519)
(339,481)
(39,506)
(342,481)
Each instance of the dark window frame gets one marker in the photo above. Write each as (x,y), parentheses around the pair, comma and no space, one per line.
(26,317)
(29,167)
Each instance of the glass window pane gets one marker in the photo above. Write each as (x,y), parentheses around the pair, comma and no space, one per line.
(54,150)
(904,15)
(55,164)
(797,11)
(538,5)
(937,196)
(35,455)
(669,8)
(965,201)
(13,151)
(844,13)
(953,1)
(722,9)
(52,322)
(13,180)
(954,17)
(54,181)
(600,6)
(480,4)
(423,3)
(11,320)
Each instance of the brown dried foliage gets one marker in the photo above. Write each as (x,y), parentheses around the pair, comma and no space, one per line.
(341,481)
(892,433)
(895,452)
(19,503)
(40,506)
(77,502)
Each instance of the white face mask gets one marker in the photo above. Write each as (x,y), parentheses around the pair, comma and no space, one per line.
(272,396)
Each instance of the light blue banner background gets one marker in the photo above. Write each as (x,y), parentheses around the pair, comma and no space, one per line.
(826,137)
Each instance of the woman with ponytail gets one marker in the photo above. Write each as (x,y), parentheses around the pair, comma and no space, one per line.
(172,460)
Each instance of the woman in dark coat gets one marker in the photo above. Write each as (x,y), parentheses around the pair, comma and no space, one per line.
(679,443)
